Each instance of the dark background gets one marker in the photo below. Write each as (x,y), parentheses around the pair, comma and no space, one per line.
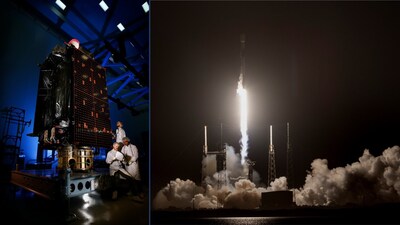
(330,69)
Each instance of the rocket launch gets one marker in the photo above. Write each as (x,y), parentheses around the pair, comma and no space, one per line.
(243,104)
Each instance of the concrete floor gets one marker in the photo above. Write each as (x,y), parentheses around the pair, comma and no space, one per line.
(20,206)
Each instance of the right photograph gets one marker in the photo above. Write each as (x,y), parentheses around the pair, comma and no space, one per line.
(274,112)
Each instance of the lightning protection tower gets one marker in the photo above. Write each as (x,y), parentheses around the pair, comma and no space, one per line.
(271,159)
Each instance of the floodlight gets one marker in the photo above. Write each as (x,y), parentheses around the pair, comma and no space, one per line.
(121,27)
(103,5)
(146,7)
(61,4)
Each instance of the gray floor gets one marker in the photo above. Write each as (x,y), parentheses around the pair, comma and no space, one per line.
(21,206)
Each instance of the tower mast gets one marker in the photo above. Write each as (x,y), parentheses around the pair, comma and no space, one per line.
(271,158)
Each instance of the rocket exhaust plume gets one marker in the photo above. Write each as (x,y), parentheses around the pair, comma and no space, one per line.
(243,105)
(243,120)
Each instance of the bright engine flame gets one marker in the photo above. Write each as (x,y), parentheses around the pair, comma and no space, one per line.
(243,119)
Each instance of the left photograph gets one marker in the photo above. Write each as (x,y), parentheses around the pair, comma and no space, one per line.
(74,111)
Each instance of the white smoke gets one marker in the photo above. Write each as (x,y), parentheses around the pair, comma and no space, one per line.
(224,189)
(233,163)
(177,194)
(209,165)
(245,195)
(371,180)
(184,195)
(279,184)
(234,168)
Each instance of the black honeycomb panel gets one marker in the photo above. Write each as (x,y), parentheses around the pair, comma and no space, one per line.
(99,80)
(91,109)
(89,112)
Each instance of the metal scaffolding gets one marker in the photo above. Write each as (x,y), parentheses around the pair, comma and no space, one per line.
(12,127)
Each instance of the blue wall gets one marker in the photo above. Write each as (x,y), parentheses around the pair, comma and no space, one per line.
(24,45)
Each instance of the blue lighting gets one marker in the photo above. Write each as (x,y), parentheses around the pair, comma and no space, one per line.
(26,43)
(20,60)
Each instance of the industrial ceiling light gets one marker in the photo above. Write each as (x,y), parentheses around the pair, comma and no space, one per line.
(103,5)
(146,7)
(61,4)
(121,27)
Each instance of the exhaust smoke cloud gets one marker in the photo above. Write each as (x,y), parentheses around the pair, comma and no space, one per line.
(368,181)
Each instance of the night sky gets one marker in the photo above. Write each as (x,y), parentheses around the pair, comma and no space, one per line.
(330,69)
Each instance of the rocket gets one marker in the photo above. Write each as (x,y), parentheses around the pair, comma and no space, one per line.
(241,91)
(242,61)
(205,147)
